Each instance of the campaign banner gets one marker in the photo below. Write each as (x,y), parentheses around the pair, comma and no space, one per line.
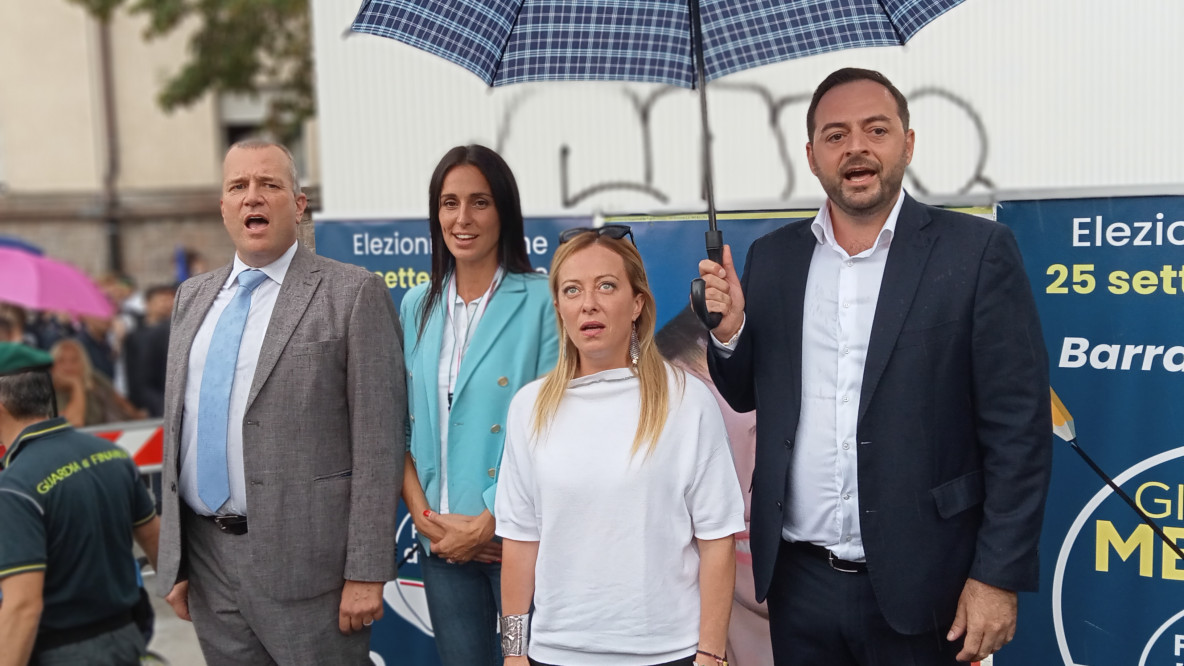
(1108,275)
(400,252)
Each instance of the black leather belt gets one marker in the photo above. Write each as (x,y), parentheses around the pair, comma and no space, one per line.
(230,524)
(845,566)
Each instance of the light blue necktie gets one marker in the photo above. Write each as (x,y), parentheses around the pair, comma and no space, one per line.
(213,403)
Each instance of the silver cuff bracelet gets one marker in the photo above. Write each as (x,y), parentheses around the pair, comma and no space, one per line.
(515,634)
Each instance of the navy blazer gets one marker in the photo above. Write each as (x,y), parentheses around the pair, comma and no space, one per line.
(954,432)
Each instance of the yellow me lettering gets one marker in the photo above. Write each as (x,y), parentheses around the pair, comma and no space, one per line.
(1143,540)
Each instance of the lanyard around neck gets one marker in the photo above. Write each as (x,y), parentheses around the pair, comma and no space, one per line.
(460,344)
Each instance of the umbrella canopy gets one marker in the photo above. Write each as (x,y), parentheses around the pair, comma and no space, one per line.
(511,41)
(41,283)
(677,42)
(20,244)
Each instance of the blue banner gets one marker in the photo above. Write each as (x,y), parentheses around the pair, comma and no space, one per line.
(1109,281)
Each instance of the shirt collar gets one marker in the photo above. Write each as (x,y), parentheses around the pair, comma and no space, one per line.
(498,276)
(33,432)
(824,230)
(276,270)
(611,375)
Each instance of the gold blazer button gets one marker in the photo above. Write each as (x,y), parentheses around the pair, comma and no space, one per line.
(495,429)
(502,381)
(492,472)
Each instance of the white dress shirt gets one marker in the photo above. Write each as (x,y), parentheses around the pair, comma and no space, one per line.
(822,505)
(262,303)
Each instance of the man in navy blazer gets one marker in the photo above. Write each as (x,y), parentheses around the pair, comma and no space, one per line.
(895,358)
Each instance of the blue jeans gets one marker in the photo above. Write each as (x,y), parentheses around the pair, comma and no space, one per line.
(464,601)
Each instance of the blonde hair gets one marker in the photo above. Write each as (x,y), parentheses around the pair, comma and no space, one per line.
(88,370)
(651,367)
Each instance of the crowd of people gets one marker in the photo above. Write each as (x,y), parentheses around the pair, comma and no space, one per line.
(106,369)
(580,481)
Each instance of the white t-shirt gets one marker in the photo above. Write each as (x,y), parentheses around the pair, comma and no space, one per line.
(617,575)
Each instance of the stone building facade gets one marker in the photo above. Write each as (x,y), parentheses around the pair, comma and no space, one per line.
(86,153)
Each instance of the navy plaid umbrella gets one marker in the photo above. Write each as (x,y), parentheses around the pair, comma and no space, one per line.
(658,41)
(511,41)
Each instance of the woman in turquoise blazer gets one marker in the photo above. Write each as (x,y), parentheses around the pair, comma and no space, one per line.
(479,330)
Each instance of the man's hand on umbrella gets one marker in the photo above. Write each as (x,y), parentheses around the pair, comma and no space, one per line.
(724,294)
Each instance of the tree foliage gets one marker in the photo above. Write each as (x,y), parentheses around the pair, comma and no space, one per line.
(239,46)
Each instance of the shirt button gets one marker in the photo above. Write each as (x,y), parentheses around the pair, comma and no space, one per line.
(495,429)
(502,381)
(847,538)
(846,350)
(847,496)
(846,445)
(779,506)
(846,399)
(492,472)
(850,264)
(846,305)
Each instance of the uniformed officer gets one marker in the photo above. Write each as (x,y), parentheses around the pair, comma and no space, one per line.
(71,504)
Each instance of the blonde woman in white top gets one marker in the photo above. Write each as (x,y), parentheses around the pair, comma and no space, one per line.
(618,498)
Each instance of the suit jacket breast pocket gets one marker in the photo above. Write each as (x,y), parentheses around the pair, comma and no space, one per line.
(959,494)
(314,348)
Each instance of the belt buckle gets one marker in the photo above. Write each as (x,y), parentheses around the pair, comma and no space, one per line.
(831,559)
(228,523)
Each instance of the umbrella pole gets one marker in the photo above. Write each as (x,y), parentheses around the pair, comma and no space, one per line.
(701,77)
(715,238)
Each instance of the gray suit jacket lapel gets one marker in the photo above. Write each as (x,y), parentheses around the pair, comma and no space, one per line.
(300,284)
(902,275)
(184,330)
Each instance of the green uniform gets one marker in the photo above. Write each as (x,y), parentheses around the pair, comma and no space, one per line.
(69,502)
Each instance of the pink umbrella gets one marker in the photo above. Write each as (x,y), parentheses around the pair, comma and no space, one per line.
(41,283)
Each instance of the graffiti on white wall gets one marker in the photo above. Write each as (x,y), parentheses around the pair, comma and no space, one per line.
(771,143)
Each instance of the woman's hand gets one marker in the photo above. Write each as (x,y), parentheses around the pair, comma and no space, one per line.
(432,531)
(464,537)
(490,552)
(67,383)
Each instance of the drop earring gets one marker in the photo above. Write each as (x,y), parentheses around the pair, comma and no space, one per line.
(634,346)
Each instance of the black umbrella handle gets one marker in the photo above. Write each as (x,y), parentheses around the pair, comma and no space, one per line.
(715,252)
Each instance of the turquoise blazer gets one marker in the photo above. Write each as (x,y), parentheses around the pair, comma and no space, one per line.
(516,341)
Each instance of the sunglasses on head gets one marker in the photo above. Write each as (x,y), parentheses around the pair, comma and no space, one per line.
(614,231)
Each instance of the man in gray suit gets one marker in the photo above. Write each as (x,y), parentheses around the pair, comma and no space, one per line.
(284,437)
